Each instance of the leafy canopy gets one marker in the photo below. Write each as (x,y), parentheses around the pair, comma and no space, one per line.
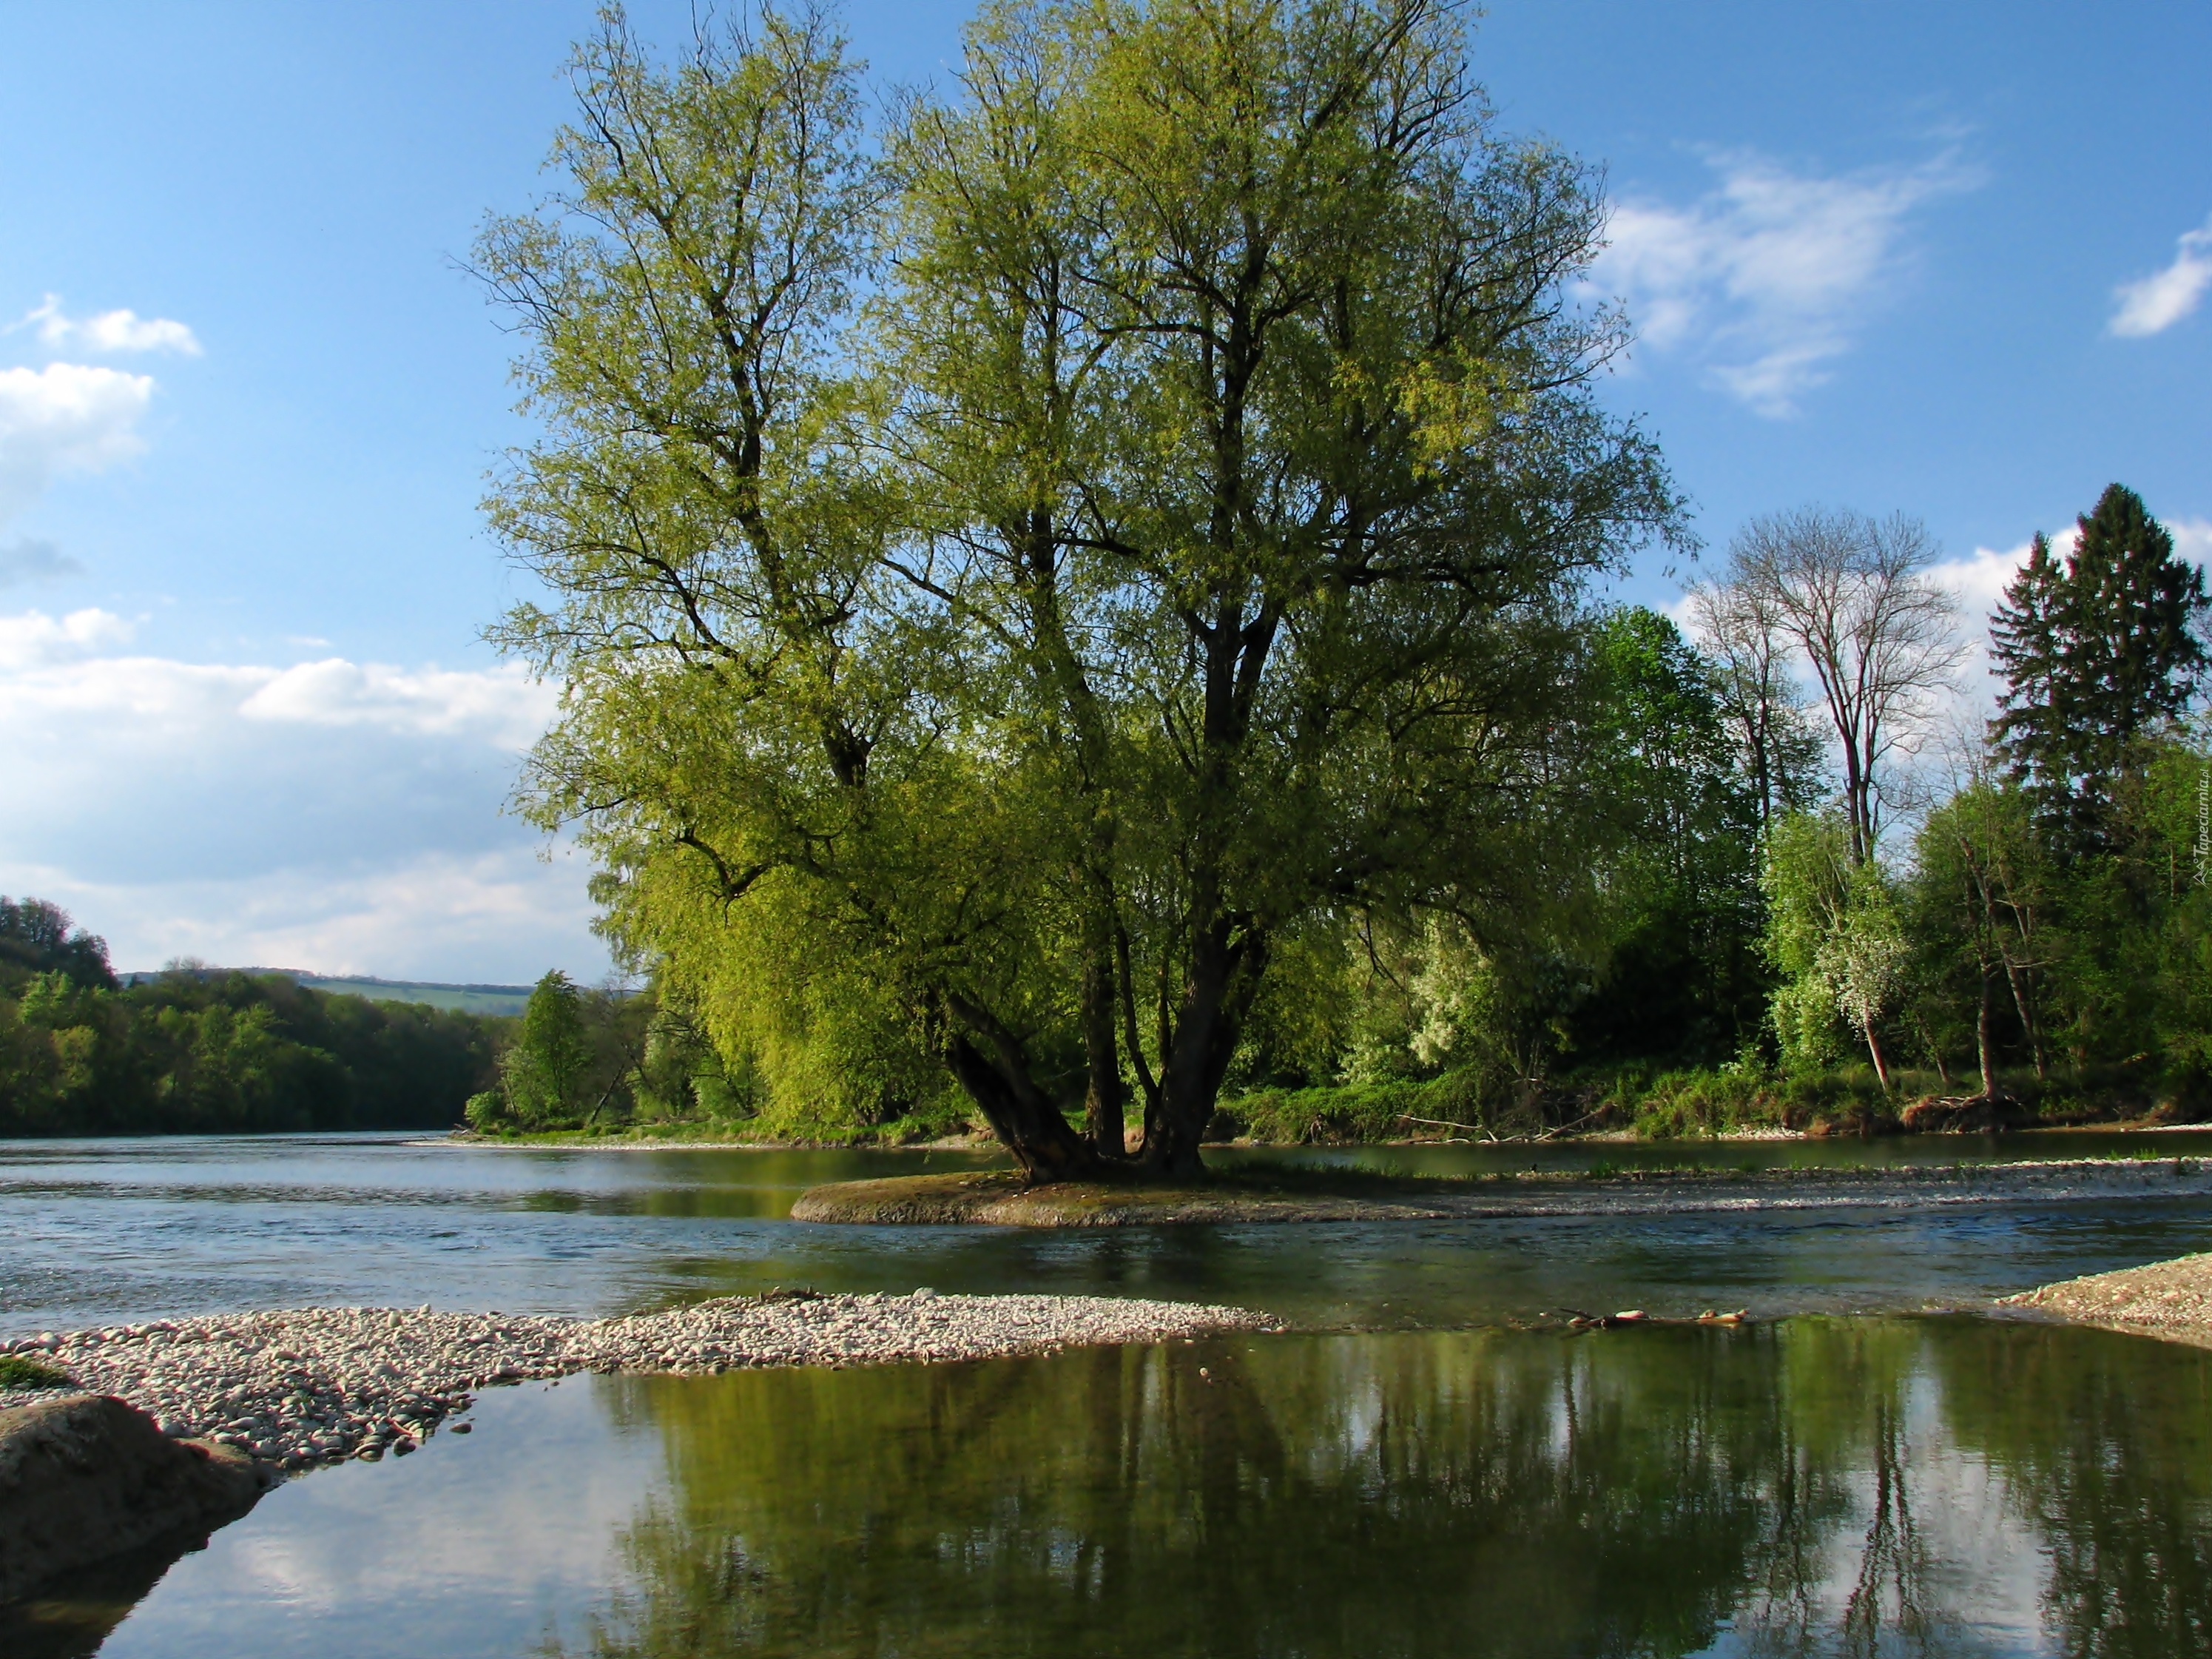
(1184,541)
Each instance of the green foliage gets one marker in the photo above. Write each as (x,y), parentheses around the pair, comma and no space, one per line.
(1183,550)
(1834,937)
(595,1059)
(1679,974)
(2097,652)
(547,1075)
(1978,908)
(1389,1110)
(198,1052)
(37,938)
(1684,1105)
(1650,949)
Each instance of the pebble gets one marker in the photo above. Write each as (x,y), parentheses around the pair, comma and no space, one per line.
(310,1386)
(2169,1299)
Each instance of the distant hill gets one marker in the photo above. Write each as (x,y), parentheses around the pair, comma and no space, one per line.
(461,999)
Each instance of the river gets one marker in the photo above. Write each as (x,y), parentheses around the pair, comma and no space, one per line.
(1876,1465)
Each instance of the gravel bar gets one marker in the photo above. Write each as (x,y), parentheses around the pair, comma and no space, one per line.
(2172,1300)
(1002,1198)
(318,1385)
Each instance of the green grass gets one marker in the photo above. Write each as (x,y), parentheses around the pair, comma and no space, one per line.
(22,1372)
(741,1132)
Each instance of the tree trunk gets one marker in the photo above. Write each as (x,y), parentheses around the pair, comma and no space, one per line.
(1105,1091)
(1855,803)
(1874,1047)
(2022,1001)
(1223,977)
(1025,1120)
(1982,1039)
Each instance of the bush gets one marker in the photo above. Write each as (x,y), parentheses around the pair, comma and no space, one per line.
(1682,1105)
(486,1113)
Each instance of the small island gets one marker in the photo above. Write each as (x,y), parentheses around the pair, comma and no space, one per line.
(1003,1197)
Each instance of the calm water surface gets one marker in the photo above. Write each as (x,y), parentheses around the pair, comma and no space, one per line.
(1401,1476)
(103,1231)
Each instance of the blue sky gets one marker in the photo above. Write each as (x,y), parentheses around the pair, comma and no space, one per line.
(1952,259)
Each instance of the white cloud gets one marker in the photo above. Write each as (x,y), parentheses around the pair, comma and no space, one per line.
(1767,278)
(33,638)
(110,331)
(2157,301)
(31,560)
(1979,580)
(54,670)
(2192,539)
(504,706)
(334,816)
(498,917)
(75,417)
(65,417)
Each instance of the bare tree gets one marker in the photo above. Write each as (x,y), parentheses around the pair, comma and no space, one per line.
(1852,596)
(1741,631)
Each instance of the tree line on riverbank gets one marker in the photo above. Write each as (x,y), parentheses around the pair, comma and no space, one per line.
(195,1051)
(2015,927)
(1747,943)
(1078,598)
(1079,607)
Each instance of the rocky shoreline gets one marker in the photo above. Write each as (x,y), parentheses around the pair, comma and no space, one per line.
(2170,1300)
(309,1386)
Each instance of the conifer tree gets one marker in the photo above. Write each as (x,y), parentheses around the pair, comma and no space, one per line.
(2097,652)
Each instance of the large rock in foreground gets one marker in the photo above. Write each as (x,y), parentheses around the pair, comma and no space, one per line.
(83,1477)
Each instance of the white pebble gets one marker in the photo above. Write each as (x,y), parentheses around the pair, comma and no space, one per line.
(318,1384)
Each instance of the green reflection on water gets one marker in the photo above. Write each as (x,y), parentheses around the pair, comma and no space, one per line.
(1848,1487)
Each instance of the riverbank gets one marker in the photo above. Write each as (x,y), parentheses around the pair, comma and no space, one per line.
(2170,1300)
(316,1385)
(691,1139)
(1000,1198)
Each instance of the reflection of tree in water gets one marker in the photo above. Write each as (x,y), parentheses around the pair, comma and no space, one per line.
(1889,1598)
(1843,1567)
(2106,1446)
(1416,1493)
(1402,1494)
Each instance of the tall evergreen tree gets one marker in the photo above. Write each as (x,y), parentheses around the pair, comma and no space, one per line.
(2097,652)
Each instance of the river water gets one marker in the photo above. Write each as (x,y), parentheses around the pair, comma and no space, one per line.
(1879,1465)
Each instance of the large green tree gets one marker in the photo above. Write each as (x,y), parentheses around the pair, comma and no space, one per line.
(1978,903)
(1184,544)
(2099,650)
(1677,800)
